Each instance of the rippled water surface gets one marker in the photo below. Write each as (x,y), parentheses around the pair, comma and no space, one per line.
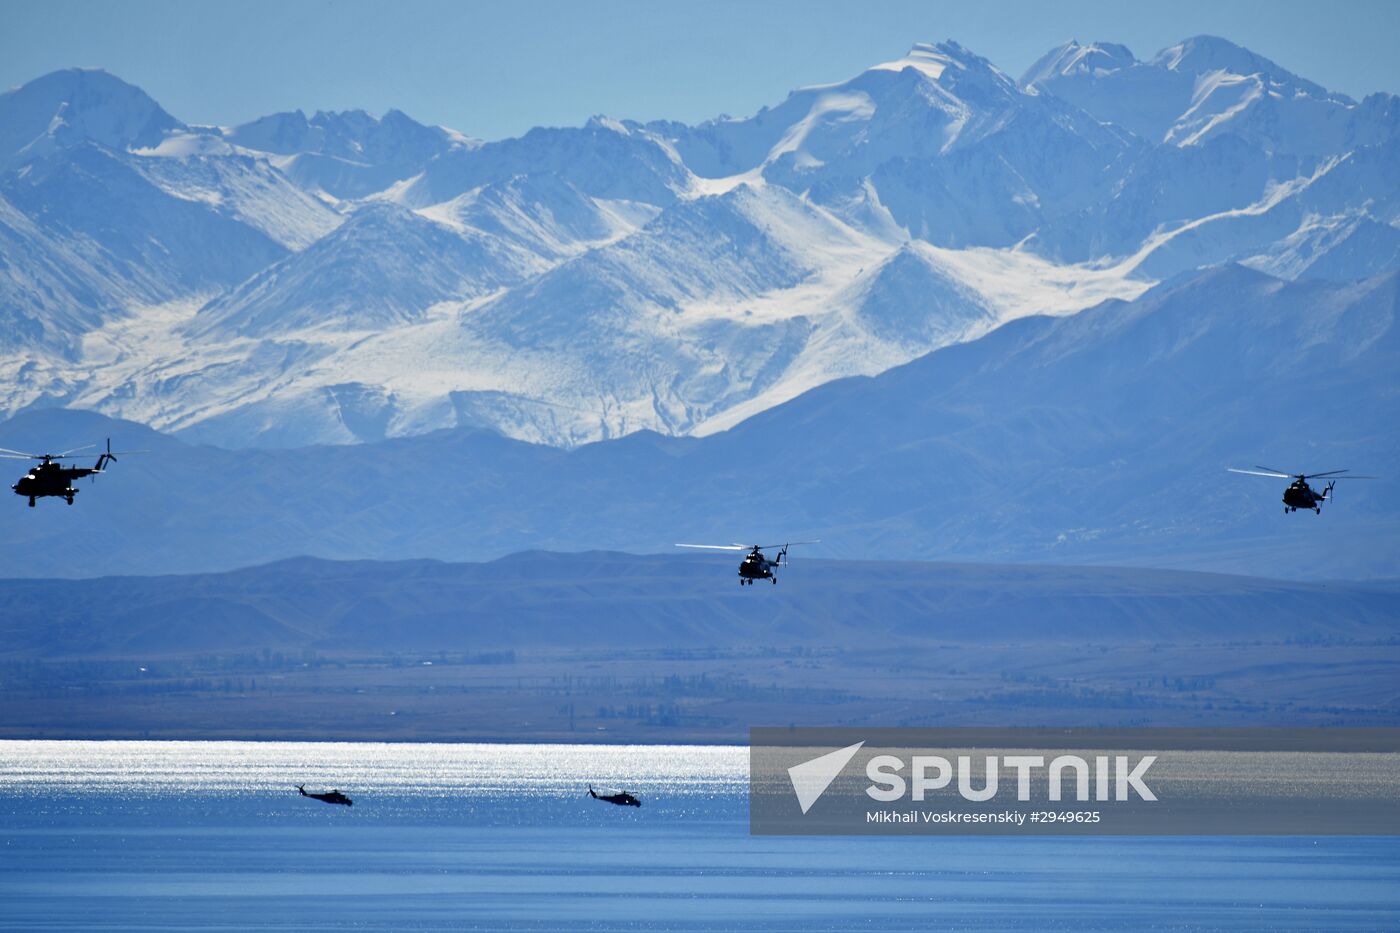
(213,836)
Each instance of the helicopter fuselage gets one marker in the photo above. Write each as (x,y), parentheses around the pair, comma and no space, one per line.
(1299,495)
(755,566)
(50,479)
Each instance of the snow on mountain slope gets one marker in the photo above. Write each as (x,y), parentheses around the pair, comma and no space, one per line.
(1340,247)
(343,278)
(141,243)
(723,250)
(1266,234)
(544,215)
(237,185)
(718,308)
(346,155)
(48,295)
(924,297)
(1018,162)
(916,106)
(713,339)
(639,333)
(1196,90)
(383,267)
(68,108)
(940,119)
(604,159)
(1255,160)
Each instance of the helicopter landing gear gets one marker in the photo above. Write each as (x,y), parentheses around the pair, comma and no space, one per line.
(31,502)
(70,499)
(775,581)
(1317,509)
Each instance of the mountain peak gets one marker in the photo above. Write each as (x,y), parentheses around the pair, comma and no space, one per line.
(957,70)
(1206,53)
(601,121)
(1203,54)
(1074,58)
(933,59)
(76,105)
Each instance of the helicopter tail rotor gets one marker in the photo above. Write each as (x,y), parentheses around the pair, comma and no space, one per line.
(110,456)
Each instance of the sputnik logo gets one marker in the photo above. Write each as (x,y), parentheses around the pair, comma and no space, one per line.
(811,778)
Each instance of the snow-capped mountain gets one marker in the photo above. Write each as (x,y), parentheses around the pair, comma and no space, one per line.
(1241,144)
(1196,90)
(68,108)
(940,145)
(344,278)
(128,239)
(383,267)
(604,159)
(346,155)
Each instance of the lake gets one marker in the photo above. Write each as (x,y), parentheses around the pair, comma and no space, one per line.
(198,836)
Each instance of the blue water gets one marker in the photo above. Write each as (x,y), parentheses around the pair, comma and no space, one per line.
(211,836)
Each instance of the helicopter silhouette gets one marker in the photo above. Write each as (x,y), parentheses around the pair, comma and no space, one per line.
(622,799)
(49,477)
(754,566)
(334,796)
(1299,495)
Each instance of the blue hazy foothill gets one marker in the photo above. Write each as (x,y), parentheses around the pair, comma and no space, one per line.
(606,600)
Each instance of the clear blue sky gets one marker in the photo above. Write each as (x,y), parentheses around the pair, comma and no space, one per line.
(494,69)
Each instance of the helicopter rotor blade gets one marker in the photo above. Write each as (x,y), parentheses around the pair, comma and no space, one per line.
(20,453)
(1272,470)
(1259,473)
(1315,475)
(73,451)
(718,547)
(36,457)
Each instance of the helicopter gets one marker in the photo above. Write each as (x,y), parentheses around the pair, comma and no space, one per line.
(334,796)
(754,566)
(1299,495)
(622,799)
(51,478)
